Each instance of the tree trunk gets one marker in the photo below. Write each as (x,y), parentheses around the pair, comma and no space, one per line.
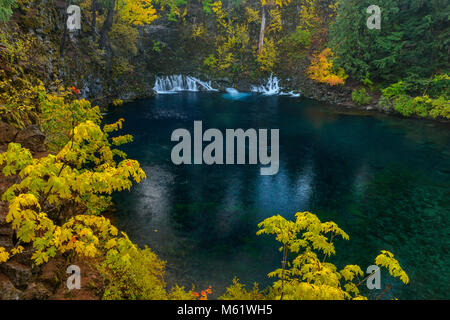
(106,28)
(263,28)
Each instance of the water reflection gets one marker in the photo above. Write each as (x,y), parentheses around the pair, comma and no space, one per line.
(384,180)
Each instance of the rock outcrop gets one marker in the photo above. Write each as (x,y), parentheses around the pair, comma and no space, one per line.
(31,138)
(7,132)
(8,291)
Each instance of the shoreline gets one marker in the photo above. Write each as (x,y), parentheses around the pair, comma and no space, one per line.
(370,109)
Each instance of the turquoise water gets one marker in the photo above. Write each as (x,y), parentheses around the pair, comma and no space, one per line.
(384,180)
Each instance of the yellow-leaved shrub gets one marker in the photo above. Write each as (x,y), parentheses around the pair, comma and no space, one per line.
(321,69)
(308,276)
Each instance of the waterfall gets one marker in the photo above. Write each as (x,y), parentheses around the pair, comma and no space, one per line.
(272,87)
(176,83)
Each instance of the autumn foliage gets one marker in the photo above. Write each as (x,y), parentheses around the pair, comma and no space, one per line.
(306,274)
(321,69)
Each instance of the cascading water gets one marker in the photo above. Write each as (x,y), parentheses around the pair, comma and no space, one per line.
(291,94)
(272,87)
(177,83)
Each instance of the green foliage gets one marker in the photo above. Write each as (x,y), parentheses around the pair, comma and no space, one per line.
(60,112)
(233,53)
(133,274)
(412,42)
(438,85)
(422,106)
(385,104)
(301,37)
(156,46)
(15,159)
(269,56)
(440,108)
(296,44)
(124,39)
(394,90)
(19,101)
(20,88)
(237,291)
(210,62)
(238,52)
(173,8)
(6,7)
(396,97)
(366,81)
(361,97)
(404,105)
(207,4)
(121,67)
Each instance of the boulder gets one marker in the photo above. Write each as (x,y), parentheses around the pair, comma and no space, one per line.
(31,138)
(8,291)
(53,272)
(36,291)
(7,132)
(18,274)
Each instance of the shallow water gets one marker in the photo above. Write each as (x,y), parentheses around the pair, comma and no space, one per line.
(384,180)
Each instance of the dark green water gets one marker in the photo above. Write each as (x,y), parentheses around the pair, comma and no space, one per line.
(384,180)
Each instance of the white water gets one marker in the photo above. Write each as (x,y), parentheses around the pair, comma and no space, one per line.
(233,94)
(177,83)
(291,94)
(232,91)
(272,87)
